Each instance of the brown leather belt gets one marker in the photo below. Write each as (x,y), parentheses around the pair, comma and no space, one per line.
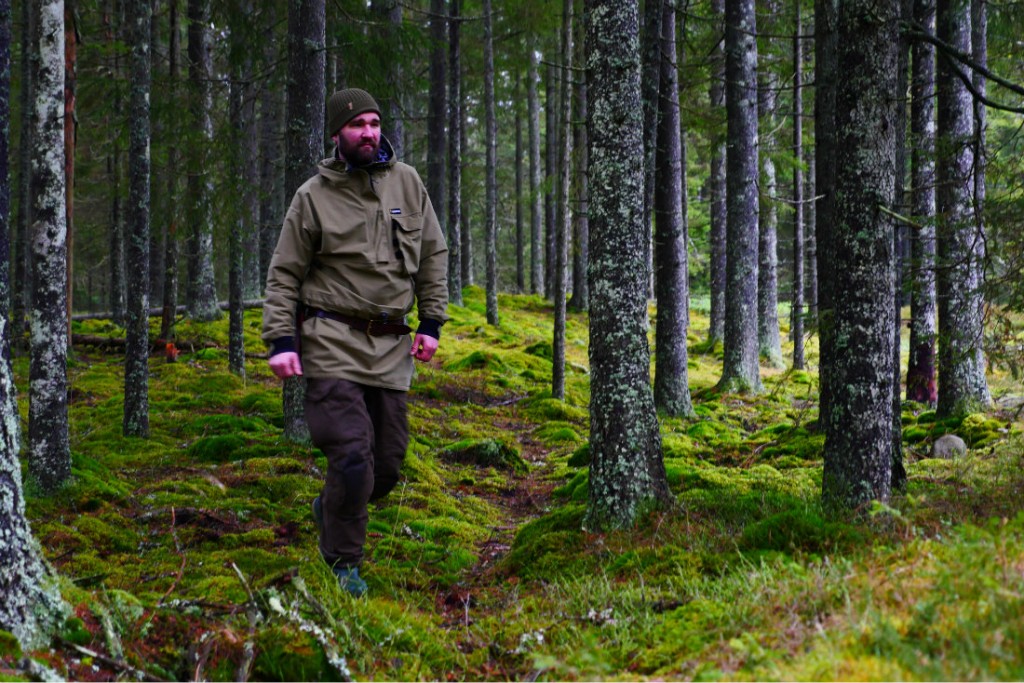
(374,328)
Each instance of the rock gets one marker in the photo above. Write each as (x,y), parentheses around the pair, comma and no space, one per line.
(949,446)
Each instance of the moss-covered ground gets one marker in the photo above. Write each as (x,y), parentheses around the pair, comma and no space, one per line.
(192,554)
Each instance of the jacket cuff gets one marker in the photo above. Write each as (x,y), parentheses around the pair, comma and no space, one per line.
(282,345)
(430,327)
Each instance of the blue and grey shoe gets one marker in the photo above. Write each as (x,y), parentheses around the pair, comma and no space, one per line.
(349,580)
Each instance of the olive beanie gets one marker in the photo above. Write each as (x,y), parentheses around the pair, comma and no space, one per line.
(345,105)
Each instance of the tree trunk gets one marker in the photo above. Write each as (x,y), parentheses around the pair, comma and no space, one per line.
(650,88)
(859,424)
(171,248)
(70,138)
(202,293)
(769,345)
(810,238)
(627,473)
(550,173)
(466,233)
(580,300)
(921,385)
(963,387)
(5,188)
(716,182)
(23,264)
(797,325)
(491,144)
(116,235)
(50,460)
(159,205)
(536,199)
(979,50)
(304,141)
(671,280)
(519,156)
(740,371)
(271,109)
(136,362)
(564,218)
(437,139)
(455,136)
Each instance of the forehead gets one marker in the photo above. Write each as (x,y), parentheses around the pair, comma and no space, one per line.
(369,118)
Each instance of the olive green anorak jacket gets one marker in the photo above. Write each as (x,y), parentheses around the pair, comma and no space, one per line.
(362,242)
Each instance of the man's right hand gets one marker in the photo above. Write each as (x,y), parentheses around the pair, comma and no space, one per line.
(286,364)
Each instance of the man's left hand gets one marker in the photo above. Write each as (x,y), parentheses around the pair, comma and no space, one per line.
(423,347)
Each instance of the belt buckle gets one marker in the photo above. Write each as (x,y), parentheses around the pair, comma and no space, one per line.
(369,327)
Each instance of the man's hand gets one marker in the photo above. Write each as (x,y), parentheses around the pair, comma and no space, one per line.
(423,347)
(286,364)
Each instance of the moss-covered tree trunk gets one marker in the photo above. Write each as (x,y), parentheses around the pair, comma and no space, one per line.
(49,443)
(627,474)
(799,251)
(716,188)
(201,293)
(921,385)
(491,168)
(304,142)
(963,387)
(671,280)
(740,370)
(536,197)
(769,344)
(859,423)
(455,136)
(136,364)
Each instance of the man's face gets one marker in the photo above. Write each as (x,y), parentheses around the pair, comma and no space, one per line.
(359,139)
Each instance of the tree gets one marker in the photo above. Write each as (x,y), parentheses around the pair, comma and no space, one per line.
(304,141)
(22,264)
(271,109)
(564,217)
(740,371)
(717,190)
(536,197)
(797,326)
(580,300)
(627,474)
(50,462)
(170,288)
(136,366)
(859,423)
(963,387)
(921,363)
(671,280)
(116,235)
(201,294)
(455,137)
(437,139)
(491,145)
(768,342)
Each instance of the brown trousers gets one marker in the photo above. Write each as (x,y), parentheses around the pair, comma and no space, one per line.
(364,432)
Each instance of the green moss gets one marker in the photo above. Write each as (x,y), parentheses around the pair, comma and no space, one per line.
(286,653)
(220,448)
(549,546)
(576,488)
(554,432)
(486,453)
(10,647)
(797,529)
(541,349)
(581,456)
(478,360)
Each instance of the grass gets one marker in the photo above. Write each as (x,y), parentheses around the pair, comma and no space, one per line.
(193,553)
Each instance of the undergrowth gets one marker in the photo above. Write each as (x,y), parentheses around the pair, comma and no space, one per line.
(192,554)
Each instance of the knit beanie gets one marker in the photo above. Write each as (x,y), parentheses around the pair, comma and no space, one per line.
(345,105)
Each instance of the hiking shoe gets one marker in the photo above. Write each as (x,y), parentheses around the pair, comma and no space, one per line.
(318,515)
(350,581)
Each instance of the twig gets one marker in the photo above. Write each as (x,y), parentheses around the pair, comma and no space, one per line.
(181,569)
(107,661)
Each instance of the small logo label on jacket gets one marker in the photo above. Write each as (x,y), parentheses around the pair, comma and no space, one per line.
(396,211)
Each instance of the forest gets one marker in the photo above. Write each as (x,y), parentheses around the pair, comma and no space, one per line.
(730,388)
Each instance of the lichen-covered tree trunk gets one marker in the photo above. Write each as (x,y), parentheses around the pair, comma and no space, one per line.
(627,474)
(304,141)
(5,177)
(959,251)
(580,300)
(50,459)
(564,219)
(271,109)
(173,213)
(650,75)
(810,237)
(550,175)
(979,50)
(921,385)
(466,233)
(769,345)
(520,155)
(136,364)
(437,136)
(455,137)
(740,371)
(859,422)
(716,189)
(797,324)
(671,280)
(22,284)
(201,293)
(536,198)
(116,236)
(491,168)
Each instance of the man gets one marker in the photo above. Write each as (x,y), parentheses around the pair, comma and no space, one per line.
(360,243)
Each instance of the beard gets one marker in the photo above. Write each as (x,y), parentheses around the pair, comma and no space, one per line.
(359,153)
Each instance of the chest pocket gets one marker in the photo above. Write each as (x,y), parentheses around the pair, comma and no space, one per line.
(406,240)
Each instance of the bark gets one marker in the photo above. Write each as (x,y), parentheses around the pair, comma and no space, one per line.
(858,456)
(519,156)
(466,233)
(810,239)
(580,300)
(159,206)
(70,136)
(116,235)
(769,345)
(171,237)
(627,474)
(22,264)
(963,387)
(564,218)
(50,460)
(271,110)
(136,369)
(650,87)
(740,371)
(201,296)
(491,164)
(307,25)
(536,198)
(455,136)
(5,176)
(921,385)
(671,281)
(717,208)
(551,179)
(797,325)
(979,50)
(437,139)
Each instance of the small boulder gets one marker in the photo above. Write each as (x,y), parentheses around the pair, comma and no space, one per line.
(949,446)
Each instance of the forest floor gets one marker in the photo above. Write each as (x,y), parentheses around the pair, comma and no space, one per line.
(192,555)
